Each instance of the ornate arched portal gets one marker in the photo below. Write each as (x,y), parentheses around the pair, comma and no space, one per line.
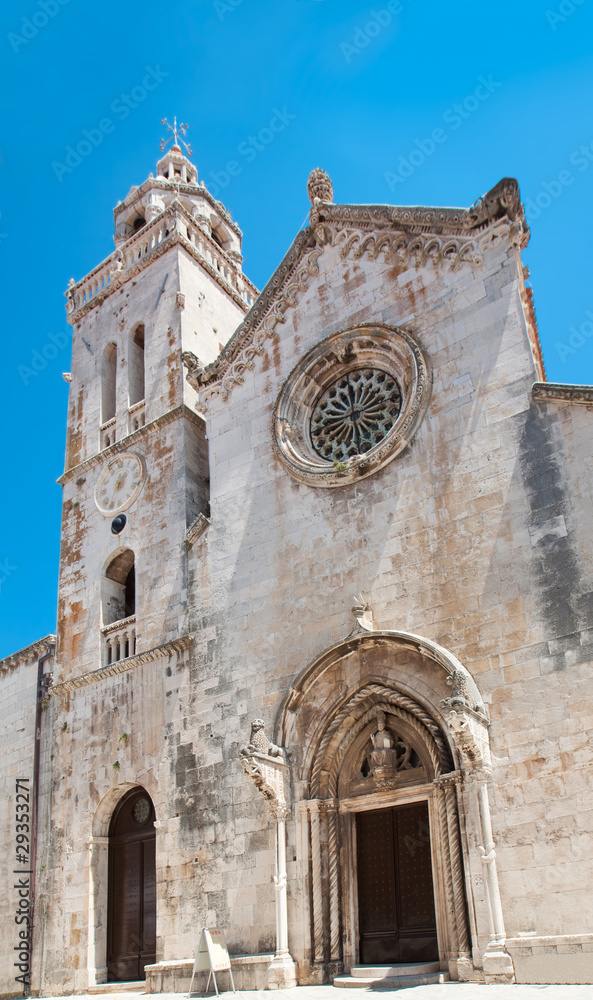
(392,726)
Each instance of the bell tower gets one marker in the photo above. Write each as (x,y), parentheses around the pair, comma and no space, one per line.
(136,473)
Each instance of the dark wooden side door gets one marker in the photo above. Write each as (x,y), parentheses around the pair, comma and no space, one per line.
(395,892)
(131,924)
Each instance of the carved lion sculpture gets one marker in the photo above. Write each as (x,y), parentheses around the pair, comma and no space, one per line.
(259,742)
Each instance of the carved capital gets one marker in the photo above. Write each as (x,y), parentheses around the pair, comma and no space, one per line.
(470,734)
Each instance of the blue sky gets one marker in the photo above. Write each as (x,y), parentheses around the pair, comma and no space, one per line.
(360,88)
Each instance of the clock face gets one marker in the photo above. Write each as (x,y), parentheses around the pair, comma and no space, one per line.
(119,483)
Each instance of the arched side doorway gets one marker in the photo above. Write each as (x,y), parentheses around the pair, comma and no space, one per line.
(389,738)
(131,911)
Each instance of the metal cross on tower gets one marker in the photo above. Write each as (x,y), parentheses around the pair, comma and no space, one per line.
(177,131)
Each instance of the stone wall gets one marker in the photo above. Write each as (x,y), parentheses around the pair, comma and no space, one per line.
(18,701)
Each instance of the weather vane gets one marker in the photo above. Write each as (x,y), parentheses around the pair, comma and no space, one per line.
(177,131)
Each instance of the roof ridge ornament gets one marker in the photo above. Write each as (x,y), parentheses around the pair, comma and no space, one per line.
(177,131)
(319,187)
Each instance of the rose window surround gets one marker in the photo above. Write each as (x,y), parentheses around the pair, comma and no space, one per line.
(351,405)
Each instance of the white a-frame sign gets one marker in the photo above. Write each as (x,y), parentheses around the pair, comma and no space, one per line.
(212,954)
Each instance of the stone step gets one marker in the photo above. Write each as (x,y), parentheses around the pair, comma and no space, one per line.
(401,969)
(101,989)
(393,977)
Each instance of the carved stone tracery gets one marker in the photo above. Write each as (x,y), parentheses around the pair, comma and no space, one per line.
(354,413)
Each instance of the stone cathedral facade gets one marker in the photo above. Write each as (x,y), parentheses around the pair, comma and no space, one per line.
(323,667)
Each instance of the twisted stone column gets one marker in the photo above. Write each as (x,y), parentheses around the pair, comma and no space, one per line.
(457,870)
(317,887)
(334,888)
(446,858)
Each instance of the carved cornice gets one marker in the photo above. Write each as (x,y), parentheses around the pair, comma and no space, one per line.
(30,654)
(502,202)
(290,279)
(177,186)
(414,236)
(122,666)
(562,392)
(177,413)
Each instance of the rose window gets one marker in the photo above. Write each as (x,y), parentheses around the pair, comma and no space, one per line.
(351,404)
(354,413)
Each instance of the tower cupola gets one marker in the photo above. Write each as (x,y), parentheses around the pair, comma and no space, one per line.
(176,180)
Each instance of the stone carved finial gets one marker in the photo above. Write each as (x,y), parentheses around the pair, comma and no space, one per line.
(363,613)
(319,186)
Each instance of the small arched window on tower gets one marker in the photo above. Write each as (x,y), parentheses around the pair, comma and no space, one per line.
(136,365)
(217,239)
(108,391)
(118,600)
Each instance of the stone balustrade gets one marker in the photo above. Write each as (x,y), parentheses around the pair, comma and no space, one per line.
(119,640)
(136,416)
(108,433)
(175,225)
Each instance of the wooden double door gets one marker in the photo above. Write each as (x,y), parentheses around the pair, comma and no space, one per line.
(131,924)
(395,890)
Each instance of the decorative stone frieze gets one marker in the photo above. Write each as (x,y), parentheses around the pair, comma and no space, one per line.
(131,440)
(122,666)
(413,236)
(33,652)
(562,392)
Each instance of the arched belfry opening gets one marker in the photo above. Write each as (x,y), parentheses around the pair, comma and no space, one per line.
(119,588)
(389,738)
(131,909)
(136,373)
(118,607)
(108,383)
